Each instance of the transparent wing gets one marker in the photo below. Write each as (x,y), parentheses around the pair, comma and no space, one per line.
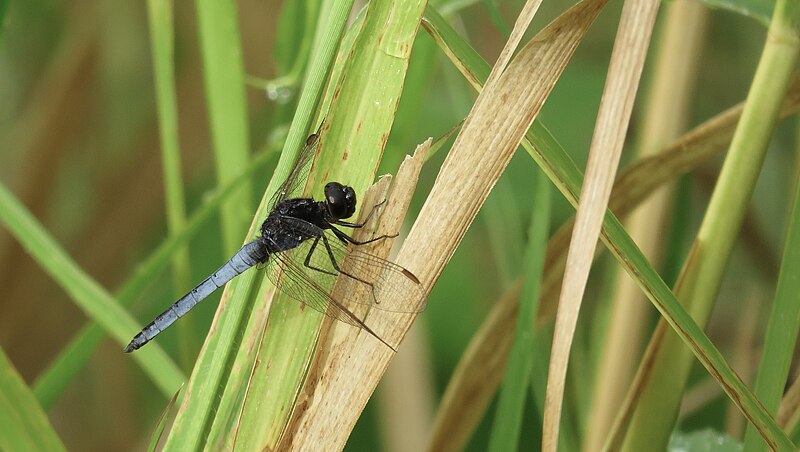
(364,278)
(297,177)
(292,280)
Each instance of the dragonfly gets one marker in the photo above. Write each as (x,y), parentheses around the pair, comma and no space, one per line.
(305,253)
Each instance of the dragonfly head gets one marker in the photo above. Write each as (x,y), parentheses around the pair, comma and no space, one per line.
(340,200)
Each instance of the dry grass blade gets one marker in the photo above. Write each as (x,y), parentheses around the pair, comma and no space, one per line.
(406,395)
(497,123)
(627,60)
(491,133)
(334,394)
(524,19)
(642,178)
(664,116)
(789,410)
(634,184)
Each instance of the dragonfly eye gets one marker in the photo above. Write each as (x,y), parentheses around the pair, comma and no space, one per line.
(340,200)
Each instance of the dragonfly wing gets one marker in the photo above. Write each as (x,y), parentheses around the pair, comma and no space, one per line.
(297,177)
(294,279)
(367,278)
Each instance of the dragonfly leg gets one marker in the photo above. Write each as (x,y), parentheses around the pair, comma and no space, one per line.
(338,269)
(366,220)
(343,309)
(307,262)
(346,238)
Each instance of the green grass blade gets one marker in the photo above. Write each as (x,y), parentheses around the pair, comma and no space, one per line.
(162,42)
(421,75)
(54,380)
(231,405)
(223,71)
(23,423)
(563,172)
(508,418)
(504,230)
(207,384)
(542,343)
(3,10)
(497,17)
(292,57)
(95,301)
(704,269)
(760,11)
(784,322)
(161,424)
(359,120)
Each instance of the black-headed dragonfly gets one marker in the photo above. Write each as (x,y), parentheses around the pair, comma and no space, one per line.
(304,253)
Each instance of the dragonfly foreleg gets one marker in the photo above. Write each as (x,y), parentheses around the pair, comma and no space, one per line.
(346,238)
(366,220)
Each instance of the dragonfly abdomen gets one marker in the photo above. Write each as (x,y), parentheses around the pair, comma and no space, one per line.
(248,256)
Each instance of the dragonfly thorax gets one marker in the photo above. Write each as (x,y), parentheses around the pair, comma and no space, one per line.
(305,209)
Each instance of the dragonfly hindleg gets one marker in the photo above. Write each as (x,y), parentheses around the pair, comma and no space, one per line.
(338,269)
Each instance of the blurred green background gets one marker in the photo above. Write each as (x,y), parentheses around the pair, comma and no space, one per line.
(79,147)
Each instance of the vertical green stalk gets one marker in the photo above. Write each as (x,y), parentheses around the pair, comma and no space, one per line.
(504,229)
(365,88)
(227,109)
(508,419)
(3,9)
(162,43)
(782,328)
(704,269)
(212,373)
